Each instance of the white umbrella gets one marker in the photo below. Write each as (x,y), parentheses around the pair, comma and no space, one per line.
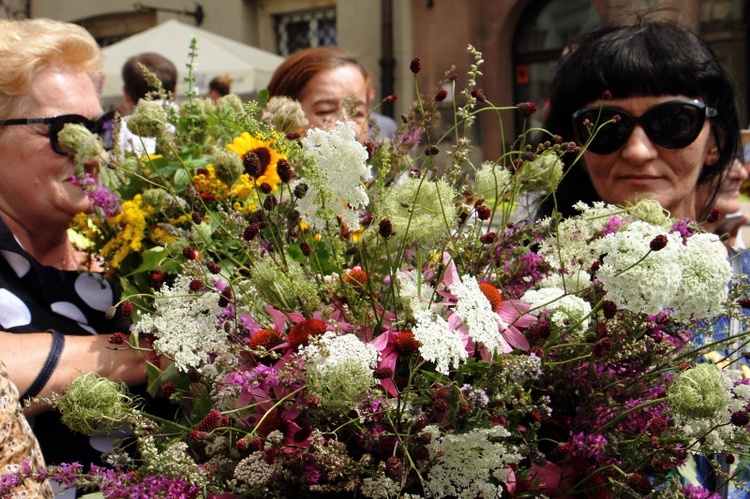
(250,67)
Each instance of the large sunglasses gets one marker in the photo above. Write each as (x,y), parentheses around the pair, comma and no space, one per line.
(103,127)
(672,125)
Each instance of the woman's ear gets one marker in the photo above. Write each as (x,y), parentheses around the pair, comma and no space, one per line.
(712,153)
(712,156)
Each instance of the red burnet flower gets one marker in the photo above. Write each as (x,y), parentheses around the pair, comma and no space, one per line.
(658,243)
(488,238)
(126,308)
(168,388)
(639,484)
(117,338)
(284,170)
(213,267)
(415,66)
(441,95)
(385,228)
(390,99)
(382,373)
(195,285)
(526,109)
(478,94)
(483,212)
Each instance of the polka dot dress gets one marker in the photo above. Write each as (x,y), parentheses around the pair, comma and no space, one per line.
(35,298)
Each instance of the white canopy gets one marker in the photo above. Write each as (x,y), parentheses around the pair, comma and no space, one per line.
(250,67)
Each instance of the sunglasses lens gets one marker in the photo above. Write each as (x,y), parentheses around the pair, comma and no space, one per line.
(609,134)
(674,125)
(103,127)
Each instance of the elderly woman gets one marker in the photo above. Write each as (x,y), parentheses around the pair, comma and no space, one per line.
(667,115)
(321,79)
(52,309)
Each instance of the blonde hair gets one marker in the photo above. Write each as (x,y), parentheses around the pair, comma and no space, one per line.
(33,45)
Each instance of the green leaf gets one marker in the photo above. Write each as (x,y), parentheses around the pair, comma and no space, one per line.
(152,258)
(181,180)
(158,378)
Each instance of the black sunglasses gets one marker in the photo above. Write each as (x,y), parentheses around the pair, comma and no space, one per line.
(672,125)
(103,127)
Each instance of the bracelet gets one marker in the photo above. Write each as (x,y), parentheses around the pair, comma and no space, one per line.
(58,342)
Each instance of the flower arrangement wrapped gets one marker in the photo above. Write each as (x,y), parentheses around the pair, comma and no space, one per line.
(347,321)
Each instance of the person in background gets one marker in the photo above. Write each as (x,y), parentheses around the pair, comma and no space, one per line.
(53,299)
(729,219)
(321,79)
(661,137)
(137,87)
(220,86)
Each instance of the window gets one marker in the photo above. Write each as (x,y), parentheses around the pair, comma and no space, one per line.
(300,30)
(540,41)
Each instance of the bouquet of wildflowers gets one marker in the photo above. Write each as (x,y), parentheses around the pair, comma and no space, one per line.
(379,321)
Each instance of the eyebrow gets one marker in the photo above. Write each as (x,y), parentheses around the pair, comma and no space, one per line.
(337,101)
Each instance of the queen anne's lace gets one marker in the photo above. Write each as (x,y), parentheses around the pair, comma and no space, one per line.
(476,312)
(341,164)
(185,328)
(438,342)
(692,277)
(470,464)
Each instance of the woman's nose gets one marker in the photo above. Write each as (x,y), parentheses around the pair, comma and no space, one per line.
(638,148)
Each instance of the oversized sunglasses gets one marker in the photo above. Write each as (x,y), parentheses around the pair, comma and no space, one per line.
(102,126)
(672,125)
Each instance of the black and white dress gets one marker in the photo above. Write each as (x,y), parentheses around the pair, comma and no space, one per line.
(34,298)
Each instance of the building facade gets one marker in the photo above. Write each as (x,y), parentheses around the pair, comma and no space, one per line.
(520,40)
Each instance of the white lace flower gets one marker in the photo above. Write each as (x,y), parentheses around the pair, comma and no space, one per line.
(705,277)
(413,292)
(565,309)
(470,465)
(338,190)
(630,273)
(185,324)
(476,312)
(339,369)
(438,342)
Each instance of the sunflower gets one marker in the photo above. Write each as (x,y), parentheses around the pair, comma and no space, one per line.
(259,160)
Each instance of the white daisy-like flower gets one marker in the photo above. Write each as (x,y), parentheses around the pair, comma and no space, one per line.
(565,309)
(185,324)
(476,312)
(438,342)
(338,190)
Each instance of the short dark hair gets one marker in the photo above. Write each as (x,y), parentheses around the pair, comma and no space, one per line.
(646,58)
(135,81)
(221,84)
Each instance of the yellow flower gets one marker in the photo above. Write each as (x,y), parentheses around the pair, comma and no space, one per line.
(131,222)
(210,187)
(259,160)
